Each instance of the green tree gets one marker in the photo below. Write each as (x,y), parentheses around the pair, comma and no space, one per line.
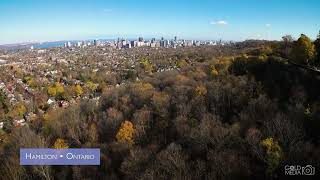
(303,51)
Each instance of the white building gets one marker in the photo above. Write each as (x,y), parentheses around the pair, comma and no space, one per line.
(69,44)
(79,44)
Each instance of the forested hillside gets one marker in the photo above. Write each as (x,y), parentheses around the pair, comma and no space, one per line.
(244,111)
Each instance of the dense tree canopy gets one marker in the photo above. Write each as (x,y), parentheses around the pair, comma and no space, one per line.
(303,51)
(317,47)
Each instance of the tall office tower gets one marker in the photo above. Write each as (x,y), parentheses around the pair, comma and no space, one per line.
(140,39)
(95,42)
(133,44)
(162,38)
(162,43)
(175,38)
(153,40)
(69,44)
(166,43)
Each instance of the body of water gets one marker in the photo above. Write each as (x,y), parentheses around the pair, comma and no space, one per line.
(49,44)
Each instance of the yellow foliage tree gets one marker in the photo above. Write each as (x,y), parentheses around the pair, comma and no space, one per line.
(21,109)
(52,91)
(18,110)
(213,71)
(56,89)
(47,117)
(52,115)
(201,91)
(18,72)
(59,88)
(32,83)
(274,154)
(303,51)
(125,133)
(92,86)
(78,90)
(69,93)
(160,101)
(147,87)
(60,144)
(147,66)
(182,63)
(143,87)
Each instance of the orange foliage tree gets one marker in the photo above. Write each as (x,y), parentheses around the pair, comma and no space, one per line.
(60,144)
(125,133)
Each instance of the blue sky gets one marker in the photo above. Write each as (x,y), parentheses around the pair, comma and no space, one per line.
(50,20)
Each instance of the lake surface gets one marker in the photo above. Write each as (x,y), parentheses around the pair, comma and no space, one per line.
(49,44)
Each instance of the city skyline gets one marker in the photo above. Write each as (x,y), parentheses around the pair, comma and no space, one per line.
(37,21)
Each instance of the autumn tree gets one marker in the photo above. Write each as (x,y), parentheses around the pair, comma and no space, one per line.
(18,110)
(213,71)
(92,133)
(4,104)
(91,86)
(274,154)
(142,92)
(135,164)
(70,124)
(146,65)
(161,102)
(52,91)
(56,90)
(201,90)
(29,81)
(69,93)
(10,168)
(303,51)
(182,63)
(170,163)
(60,144)
(126,133)
(142,122)
(78,90)
(317,47)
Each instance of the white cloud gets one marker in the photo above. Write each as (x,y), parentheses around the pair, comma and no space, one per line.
(220,22)
(268,25)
